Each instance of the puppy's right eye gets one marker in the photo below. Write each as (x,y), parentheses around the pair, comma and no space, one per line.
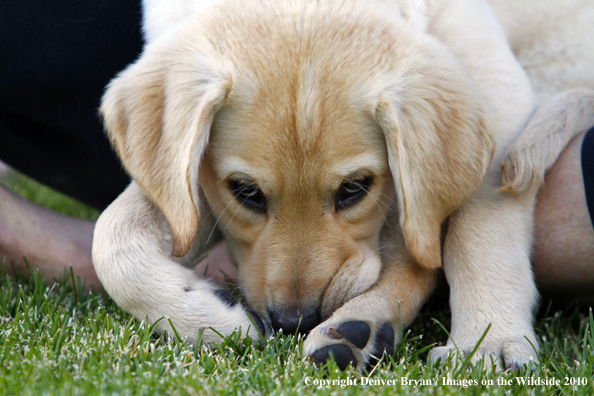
(248,194)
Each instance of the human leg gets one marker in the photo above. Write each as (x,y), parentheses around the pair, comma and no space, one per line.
(563,257)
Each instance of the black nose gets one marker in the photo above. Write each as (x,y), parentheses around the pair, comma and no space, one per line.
(291,322)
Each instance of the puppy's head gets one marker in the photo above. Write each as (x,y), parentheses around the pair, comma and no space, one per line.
(309,131)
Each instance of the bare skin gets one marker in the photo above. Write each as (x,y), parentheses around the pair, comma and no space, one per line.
(50,241)
(563,258)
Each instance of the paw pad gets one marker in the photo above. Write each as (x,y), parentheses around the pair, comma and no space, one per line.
(257,321)
(356,332)
(226,297)
(342,355)
(384,341)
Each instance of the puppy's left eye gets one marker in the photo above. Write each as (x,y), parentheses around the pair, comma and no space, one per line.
(352,191)
(248,194)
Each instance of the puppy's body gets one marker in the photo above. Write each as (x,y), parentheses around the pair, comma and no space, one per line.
(326,142)
(551,42)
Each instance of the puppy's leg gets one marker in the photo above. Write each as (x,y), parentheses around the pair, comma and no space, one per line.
(131,254)
(369,324)
(487,265)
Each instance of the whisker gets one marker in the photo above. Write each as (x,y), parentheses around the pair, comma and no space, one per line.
(382,253)
(374,200)
(220,200)
(389,199)
(368,191)
(387,255)
(232,217)
(223,212)
(375,250)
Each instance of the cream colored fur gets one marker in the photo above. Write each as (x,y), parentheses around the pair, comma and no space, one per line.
(554,124)
(425,97)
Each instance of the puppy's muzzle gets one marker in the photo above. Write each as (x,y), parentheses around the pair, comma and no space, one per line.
(296,321)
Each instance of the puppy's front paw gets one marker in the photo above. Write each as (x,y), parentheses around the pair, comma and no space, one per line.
(515,354)
(355,343)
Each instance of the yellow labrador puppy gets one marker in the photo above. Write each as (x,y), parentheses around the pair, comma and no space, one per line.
(328,141)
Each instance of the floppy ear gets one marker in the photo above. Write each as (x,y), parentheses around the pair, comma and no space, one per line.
(158,115)
(439,148)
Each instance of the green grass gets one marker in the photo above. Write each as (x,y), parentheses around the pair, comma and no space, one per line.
(43,195)
(60,340)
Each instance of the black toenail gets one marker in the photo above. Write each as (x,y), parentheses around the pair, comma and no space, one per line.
(530,367)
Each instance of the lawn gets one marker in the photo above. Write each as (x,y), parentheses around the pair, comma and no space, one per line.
(61,340)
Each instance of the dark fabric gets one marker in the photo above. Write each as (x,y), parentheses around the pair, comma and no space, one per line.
(56,57)
(588,170)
